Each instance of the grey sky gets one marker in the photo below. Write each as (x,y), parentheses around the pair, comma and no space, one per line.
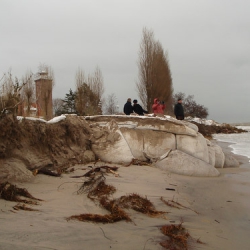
(208,44)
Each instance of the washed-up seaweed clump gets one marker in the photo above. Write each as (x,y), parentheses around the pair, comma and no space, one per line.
(178,237)
(11,192)
(139,204)
(101,190)
(116,213)
(107,218)
(96,189)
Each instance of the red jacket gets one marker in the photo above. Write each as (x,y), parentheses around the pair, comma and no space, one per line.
(157,107)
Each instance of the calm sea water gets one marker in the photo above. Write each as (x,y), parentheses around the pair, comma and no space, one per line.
(240,142)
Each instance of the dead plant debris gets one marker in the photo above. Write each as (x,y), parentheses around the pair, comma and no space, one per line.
(95,170)
(116,213)
(102,189)
(96,189)
(139,204)
(23,207)
(11,192)
(138,163)
(108,218)
(175,204)
(177,237)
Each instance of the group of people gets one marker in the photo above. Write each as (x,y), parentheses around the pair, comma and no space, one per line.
(158,108)
(136,108)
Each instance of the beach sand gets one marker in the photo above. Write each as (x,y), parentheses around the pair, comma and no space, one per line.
(217,211)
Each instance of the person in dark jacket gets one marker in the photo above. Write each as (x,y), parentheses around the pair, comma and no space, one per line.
(128,108)
(138,109)
(178,110)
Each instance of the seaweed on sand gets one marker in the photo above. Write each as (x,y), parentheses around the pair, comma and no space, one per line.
(102,189)
(24,207)
(96,189)
(116,213)
(107,218)
(139,204)
(177,237)
(11,192)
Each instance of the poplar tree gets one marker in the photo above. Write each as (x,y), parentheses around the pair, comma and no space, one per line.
(154,73)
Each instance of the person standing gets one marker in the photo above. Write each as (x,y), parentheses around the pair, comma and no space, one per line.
(138,109)
(158,107)
(128,108)
(178,110)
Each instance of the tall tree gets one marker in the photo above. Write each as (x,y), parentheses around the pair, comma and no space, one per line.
(80,101)
(155,79)
(95,82)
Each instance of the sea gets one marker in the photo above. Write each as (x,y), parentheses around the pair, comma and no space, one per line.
(240,143)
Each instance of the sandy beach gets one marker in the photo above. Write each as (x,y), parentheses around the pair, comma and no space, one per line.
(216,211)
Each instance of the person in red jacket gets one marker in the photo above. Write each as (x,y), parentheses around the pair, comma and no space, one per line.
(158,107)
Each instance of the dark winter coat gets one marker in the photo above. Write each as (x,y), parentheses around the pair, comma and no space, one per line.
(138,109)
(179,111)
(128,108)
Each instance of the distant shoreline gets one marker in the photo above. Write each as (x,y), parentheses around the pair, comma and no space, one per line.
(243,160)
(240,124)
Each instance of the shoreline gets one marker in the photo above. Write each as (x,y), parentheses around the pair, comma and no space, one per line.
(243,160)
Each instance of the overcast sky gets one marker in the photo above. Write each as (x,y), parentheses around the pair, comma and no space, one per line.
(207,41)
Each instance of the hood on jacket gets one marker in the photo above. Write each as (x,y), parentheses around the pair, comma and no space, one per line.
(156,100)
